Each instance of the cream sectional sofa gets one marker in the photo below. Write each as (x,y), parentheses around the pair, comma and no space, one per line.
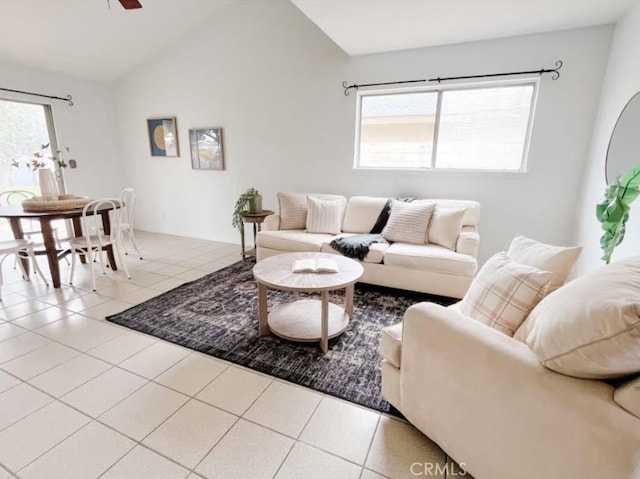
(424,268)
(486,399)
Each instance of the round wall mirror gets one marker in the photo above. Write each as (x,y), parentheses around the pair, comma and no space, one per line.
(624,146)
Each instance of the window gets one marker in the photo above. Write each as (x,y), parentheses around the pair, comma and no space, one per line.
(24,128)
(475,128)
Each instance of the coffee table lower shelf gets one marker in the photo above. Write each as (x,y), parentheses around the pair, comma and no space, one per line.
(301,320)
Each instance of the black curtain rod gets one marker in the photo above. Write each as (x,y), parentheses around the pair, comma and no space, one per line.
(555,71)
(67,99)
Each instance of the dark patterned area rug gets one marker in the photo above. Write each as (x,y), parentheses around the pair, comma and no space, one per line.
(217,315)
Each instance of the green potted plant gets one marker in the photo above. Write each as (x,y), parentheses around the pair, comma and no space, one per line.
(613,211)
(249,202)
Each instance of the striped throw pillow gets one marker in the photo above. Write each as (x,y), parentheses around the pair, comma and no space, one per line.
(408,222)
(293,211)
(324,216)
(503,293)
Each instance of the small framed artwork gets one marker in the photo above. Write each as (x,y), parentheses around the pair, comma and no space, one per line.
(163,136)
(206,149)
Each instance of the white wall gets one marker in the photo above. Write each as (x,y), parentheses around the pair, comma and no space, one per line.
(267,75)
(87,128)
(622,81)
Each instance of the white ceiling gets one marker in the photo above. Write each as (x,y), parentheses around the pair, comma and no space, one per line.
(88,39)
(372,26)
(85,38)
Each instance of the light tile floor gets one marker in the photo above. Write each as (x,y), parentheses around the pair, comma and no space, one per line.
(84,398)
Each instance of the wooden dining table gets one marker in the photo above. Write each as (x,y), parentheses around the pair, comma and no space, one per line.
(15,214)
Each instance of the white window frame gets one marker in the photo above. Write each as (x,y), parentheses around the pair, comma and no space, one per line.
(530,81)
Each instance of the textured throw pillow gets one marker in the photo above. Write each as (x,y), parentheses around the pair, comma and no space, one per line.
(293,211)
(559,260)
(590,328)
(383,217)
(408,222)
(324,216)
(503,293)
(445,227)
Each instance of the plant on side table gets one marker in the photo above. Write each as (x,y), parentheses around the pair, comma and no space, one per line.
(613,211)
(249,202)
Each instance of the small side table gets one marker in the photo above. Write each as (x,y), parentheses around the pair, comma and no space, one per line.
(256,219)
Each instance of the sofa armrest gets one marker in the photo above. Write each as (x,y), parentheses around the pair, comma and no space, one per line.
(468,241)
(271,223)
(488,402)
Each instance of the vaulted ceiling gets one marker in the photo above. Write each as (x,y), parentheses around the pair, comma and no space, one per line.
(372,26)
(86,38)
(89,38)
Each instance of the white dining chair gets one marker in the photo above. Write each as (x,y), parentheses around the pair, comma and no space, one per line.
(16,197)
(19,249)
(94,239)
(128,197)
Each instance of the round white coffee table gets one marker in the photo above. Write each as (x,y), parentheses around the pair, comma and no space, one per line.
(305,320)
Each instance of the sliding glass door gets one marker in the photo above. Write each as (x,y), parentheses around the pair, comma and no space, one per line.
(27,138)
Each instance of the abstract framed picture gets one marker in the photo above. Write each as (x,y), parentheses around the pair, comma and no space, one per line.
(206,149)
(163,136)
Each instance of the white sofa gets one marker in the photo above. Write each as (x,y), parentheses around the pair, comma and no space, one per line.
(487,401)
(425,268)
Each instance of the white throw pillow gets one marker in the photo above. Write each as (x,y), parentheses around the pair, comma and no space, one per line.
(590,328)
(503,293)
(408,222)
(445,227)
(324,216)
(293,211)
(560,260)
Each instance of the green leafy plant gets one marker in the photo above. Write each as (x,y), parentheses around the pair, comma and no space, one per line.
(243,206)
(38,162)
(59,159)
(613,211)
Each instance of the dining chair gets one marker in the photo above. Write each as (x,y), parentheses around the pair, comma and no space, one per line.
(128,198)
(19,248)
(94,239)
(16,197)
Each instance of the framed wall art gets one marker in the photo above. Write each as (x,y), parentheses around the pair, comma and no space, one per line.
(163,136)
(206,149)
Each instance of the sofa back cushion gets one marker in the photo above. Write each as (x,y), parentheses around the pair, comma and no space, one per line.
(590,328)
(557,259)
(472,209)
(361,214)
(363,211)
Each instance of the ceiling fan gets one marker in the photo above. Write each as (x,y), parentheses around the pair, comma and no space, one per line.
(128,4)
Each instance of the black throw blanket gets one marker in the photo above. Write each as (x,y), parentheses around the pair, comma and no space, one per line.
(356,246)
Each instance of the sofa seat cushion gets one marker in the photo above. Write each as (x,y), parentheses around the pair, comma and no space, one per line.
(391,344)
(375,255)
(437,259)
(294,241)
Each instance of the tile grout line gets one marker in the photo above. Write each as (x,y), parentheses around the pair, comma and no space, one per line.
(192,396)
(366,457)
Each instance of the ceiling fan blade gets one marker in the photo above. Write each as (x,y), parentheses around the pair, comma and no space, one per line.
(130,4)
